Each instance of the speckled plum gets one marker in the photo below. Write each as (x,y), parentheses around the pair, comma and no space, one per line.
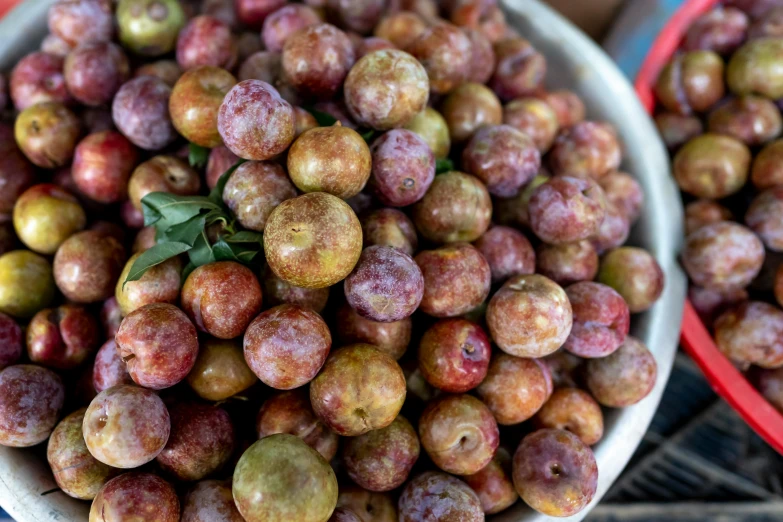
(246,105)
(567,263)
(286,346)
(263,65)
(220,160)
(530,316)
(252,13)
(159,284)
(81,21)
(166,70)
(26,283)
(126,426)
(676,130)
(38,78)
(482,62)
(502,157)
(109,369)
(514,211)
(434,497)
(751,333)
(520,69)
(433,129)
(77,473)
(102,165)
(136,494)
(282,478)
(95,71)
(457,207)
(709,304)
(535,118)
(764,217)
(711,166)
(381,460)
(454,355)
(400,28)
(359,16)
(290,412)
(317,59)
(141,112)
(195,101)
(313,241)
(588,149)
(206,41)
(625,193)
(573,410)
(403,168)
(220,370)
(566,209)
(162,174)
(87,266)
(457,279)
(202,440)
(691,82)
(766,171)
(723,255)
(368,505)
(635,275)
(47,133)
(222,298)
(612,232)
(277,292)
(31,398)
(555,473)
(389,227)
(63,337)
(751,119)
(445,52)
(624,377)
(493,484)
(459,433)
(601,320)
(391,338)
(723,30)
(469,107)
(150,27)
(344,404)
(210,501)
(703,212)
(284,22)
(508,252)
(10,341)
(515,388)
(335,160)
(159,344)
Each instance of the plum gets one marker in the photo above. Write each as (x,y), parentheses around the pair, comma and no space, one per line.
(391,338)
(312,241)
(469,107)
(252,13)
(210,501)
(160,284)
(457,279)
(457,207)
(709,304)
(566,209)
(722,256)
(284,22)
(508,252)
(712,166)
(355,15)
(389,227)
(723,30)
(567,263)
(277,292)
(750,333)
(81,21)
(45,216)
(433,129)
(403,168)
(75,470)
(763,217)
(766,171)
(332,159)
(201,441)
(149,27)
(166,70)
(195,101)
(400,28)
(514,211)
(515,388)
(159,345)
(601,320)
(635,275)
(751,69)
(87,266)
(10,341)
(676,130)
(343,404)
(624,377)
(162,174)
(220,370)
(454,355)
(282,478)
(573,410)
(26,283)
(38,78)
(102,165)
(435,497)
(286,346)
(290,412)
(381,460)
(126,426)
(222,298)
(535,118)
(95,71)
(63,337)
(530,316)
(109,369)
(31,398)
(386,88)
(482,62)
(136,494)
(445,52)
(501,156)
(555,473)
(317,59)
(369,506)
(493,484)
(520,69)
(751,119)
(691,82)
(47,133)
(206,41)
(141,112)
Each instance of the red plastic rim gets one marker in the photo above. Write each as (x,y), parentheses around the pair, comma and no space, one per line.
(7,5)
(724,378)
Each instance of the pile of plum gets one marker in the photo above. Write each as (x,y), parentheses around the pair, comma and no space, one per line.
(251,250)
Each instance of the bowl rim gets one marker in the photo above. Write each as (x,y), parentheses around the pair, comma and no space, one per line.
(722,375)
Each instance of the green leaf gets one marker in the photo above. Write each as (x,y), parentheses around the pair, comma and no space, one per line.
(223,251)
(443,165)
(198,156)
(201,253)
(368,135)
(189,268)
(323,119)
(239,252)
(185,232)
(155,256)
(165,210)
(245,236)
(216,195)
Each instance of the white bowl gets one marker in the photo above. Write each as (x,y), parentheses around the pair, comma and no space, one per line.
(575,62)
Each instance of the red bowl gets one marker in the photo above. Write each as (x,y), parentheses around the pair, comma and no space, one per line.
(724,378)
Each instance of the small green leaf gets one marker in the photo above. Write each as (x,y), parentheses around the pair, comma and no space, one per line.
(223,251)
(155,256)
(443,165)
(245,236)
(198,156)
(185,232)
(323,119)
(201,253)
(216,195)
(368,135)
(165,210)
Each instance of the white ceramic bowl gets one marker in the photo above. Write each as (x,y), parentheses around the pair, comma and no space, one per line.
(575,62)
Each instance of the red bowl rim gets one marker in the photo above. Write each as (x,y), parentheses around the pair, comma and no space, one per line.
(724,378)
